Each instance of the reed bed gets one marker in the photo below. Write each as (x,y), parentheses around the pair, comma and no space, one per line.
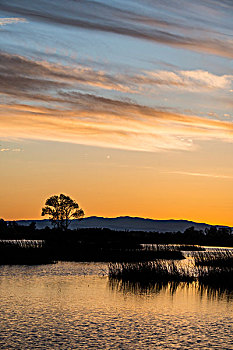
(173,247)
(190,248)
(22,243)
(218,258)
(170,271)
(33,251)
(24,252)
(158,270)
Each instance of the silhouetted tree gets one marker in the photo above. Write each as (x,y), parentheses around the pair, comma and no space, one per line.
(61,210)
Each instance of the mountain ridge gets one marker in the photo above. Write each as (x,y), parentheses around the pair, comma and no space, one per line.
(127,223)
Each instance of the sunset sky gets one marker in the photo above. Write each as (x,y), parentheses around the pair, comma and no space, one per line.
(126,106)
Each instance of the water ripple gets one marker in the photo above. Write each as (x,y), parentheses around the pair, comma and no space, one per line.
(72,306)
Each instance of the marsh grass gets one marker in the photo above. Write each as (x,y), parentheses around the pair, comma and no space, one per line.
(158,270)
(163,271)
(218,258)
(35,251)
(22,243)
(190,248)
(24,252)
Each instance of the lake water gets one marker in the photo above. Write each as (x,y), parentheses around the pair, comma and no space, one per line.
(74,306)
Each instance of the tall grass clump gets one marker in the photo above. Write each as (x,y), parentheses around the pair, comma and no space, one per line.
(158,270)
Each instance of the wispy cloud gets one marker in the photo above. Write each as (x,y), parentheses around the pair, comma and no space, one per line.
(201,174)
(11,150)
(98,121)
(11,20)
(190,79)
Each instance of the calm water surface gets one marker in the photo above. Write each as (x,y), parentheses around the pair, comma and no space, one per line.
(74,306)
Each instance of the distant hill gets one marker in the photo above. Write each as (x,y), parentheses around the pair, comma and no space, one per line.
(126,223)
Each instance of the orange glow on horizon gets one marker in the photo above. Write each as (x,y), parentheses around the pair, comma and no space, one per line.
(128,110)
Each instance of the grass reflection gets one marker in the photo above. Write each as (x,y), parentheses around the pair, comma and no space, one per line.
(155,288)
(153,277)
(144,288)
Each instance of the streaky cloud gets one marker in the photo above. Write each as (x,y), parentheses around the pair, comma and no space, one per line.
(101,122)
(216,176)
(48,101)
(21,77)
(98,16)
(19,74)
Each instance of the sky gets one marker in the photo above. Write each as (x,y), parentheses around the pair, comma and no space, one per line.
(125,106)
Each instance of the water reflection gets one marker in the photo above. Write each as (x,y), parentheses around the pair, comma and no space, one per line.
(218,293)
(75,306)
(150,288)
(142,288)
